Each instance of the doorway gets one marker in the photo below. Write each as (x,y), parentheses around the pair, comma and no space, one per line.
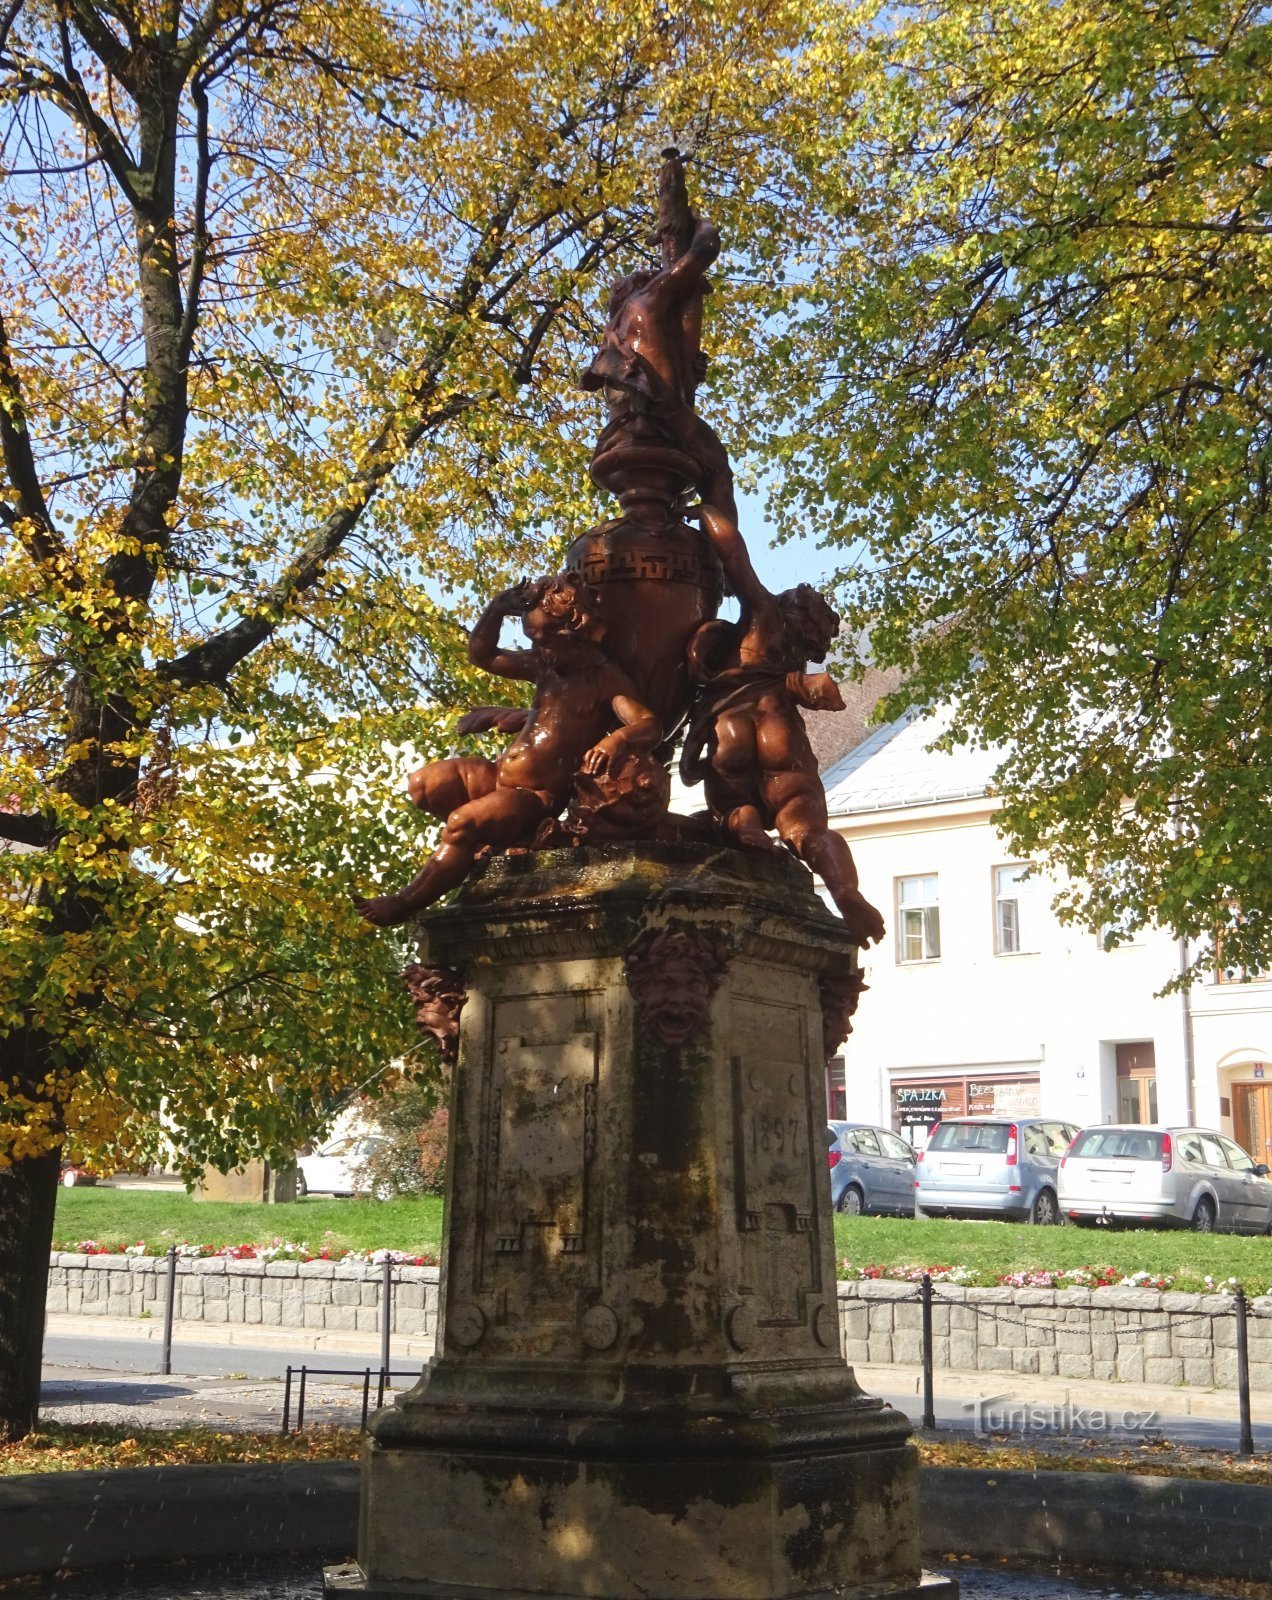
(1252,1118)
(1137,1082)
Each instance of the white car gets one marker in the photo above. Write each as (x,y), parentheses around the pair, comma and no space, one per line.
(1173,1177)
(334,1169)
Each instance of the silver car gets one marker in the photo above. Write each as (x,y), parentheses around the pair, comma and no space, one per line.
(871,1170)
(1174,1177)
(993,1167)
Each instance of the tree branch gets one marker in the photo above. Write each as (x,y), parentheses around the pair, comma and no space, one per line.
(201,241)
(33,523)
(118,59)
(212,660)
(21,828)
(71,97)
(216,656)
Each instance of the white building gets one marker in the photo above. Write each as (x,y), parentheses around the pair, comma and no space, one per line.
(981,1001)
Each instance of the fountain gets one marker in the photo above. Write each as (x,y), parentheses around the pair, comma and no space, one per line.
(639,1387)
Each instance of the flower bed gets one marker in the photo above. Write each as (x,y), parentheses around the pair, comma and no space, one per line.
(279,1250)
(1037,1278)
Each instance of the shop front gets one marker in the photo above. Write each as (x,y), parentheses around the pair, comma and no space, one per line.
(918,1104)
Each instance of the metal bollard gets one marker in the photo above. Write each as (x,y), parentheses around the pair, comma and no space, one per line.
(1246,1446)
(165,1362)
(925,1294)
(386,1318)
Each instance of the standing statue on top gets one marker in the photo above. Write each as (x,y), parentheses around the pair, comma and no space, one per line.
(625,650)
(651,360)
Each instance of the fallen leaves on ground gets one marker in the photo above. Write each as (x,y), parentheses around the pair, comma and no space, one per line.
(1158,1458)
(90,1447)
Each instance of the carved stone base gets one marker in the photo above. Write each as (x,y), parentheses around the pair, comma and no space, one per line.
(639,1389)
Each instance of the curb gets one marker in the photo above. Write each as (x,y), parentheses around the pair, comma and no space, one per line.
(52,1520)
(1100,1519)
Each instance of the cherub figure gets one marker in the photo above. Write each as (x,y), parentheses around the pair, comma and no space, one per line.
(586,716)
(746,740)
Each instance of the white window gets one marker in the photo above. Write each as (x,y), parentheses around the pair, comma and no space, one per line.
(919,919)
(1015,924)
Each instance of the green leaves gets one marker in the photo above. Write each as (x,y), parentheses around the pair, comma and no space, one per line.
(1039,408)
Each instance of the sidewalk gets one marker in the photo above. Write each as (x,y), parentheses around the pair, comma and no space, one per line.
(965,1388)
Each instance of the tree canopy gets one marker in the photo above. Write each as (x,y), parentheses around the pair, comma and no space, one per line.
(1030,377)
(295,300)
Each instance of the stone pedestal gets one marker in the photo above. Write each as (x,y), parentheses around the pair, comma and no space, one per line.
(639,1389)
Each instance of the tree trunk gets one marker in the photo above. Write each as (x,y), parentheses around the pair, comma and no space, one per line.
(28,1197)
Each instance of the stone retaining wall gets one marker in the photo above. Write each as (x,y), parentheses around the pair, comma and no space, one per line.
(1127,1335)
(341,1296)
(1131,1335)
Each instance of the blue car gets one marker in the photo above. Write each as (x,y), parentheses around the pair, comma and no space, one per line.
(871,1170)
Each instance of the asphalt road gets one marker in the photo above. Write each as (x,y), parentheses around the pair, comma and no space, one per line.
(243,1384)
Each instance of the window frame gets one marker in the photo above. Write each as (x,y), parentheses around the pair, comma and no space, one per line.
(922,908)
(1015,899)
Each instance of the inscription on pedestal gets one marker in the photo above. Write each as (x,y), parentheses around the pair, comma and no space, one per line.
(541,1240)
(776,1201)
(545,1115)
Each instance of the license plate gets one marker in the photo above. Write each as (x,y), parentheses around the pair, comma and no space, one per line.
(961,1169)
(1116,1175)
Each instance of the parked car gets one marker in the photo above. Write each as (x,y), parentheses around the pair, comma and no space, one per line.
(870,1170)
(1174,1177)
(333,1169)
(993,1166)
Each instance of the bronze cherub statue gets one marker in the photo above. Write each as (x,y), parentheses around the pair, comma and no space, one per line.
(585,717)
(746,740)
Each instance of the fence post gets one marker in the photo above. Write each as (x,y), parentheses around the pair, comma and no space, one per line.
(287,1401)
(165,1363)
(386,1316)
(925,1294)
(1246,1446)
(300,1401)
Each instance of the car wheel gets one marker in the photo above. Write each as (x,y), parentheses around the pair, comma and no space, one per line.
(302,1188)
(1045,1212)
(1203,1219)
(852,1201)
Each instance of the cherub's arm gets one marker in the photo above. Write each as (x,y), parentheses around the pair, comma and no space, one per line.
(639,730)
(731,549)
(818,691)
(483,641)
(678,281)
(494,719)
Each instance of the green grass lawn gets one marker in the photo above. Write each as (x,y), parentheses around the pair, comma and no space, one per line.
(119,1217)
(993,1248)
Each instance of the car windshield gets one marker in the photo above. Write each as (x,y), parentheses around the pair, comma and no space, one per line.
(991,1136)
(1132,1144)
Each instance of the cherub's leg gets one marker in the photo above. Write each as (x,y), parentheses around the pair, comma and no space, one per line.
(730,781)
(500,817)
(802,823)
(443,786)
(745,825)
